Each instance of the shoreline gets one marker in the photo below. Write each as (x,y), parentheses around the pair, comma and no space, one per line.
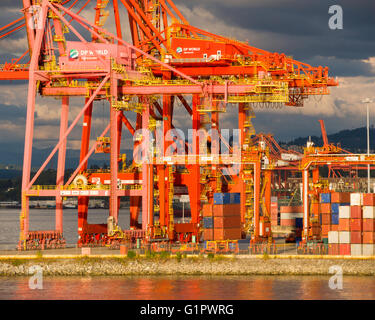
(198,265)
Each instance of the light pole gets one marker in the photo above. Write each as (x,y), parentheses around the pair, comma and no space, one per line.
(367,101)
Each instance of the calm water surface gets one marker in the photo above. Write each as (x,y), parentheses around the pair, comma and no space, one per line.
(160,287)
(188,288)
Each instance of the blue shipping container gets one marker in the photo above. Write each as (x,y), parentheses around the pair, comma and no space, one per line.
(335,218)
(221,198)
(227,198)
(325,198)
(236,198)
(208,222)
(335,207)
(299,222)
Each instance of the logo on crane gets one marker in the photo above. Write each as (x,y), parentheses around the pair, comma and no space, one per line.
(179,50)
(73,54)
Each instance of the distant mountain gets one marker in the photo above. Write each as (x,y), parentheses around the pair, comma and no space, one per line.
(354,140)
(12,154)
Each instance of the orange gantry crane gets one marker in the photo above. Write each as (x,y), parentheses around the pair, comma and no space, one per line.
(168,63)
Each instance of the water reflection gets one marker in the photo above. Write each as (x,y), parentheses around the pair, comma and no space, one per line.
(188,288)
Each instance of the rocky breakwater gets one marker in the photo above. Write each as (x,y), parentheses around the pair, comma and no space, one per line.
(217,265)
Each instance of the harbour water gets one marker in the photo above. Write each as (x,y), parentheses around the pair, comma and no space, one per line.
(188,288)
(159,287)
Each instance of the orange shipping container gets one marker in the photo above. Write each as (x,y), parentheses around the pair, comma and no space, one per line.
(344,224)
(368,237)
(368,225)
(326,218)
(208,234)
(207,210)
(325,208)
(325,230)
(315,208)
(334,227)
(227,234)
(227,222)
(355,224)
(369,199)
(226,210)
(340,197)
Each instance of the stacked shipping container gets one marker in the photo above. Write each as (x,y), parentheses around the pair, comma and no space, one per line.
(356,229)
(329,211)
(222,221)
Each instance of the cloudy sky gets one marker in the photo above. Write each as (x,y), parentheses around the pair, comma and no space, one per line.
(298,28)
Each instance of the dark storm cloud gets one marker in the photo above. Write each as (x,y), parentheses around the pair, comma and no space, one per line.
(13,113)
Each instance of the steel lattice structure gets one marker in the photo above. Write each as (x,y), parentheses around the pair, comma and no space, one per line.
(167,61)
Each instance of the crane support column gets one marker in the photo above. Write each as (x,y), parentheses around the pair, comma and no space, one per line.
(61,163)
(114,155)
(83,202)
(29,131)
(305,183)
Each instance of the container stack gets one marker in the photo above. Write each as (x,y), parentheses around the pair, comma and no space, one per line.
(356,229)
(222,221)
(329,211)
(274,212)
(291,216)
(355,224)
(325,214)
(208,223)
(368,225)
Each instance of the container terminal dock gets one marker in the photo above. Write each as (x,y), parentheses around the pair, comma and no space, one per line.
(194,190)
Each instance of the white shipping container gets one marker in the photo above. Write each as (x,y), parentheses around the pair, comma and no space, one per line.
(356,199)
(344,237)
(356,249)
(291,215)
(368,212)
(344,212)
(368,249)
(333,237)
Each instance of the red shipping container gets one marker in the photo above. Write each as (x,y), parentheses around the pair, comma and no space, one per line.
(368,237)
(227,234)
(325,208)
(369,199)
(344,224)
(226,210)
(291,209)
(227,222)
(334,227)
(344,249)
(356,212)
(355,224)
(368,225)
(340,197)
(356,237)
(288,222)
(326,218)
(333,249)
(325,230)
